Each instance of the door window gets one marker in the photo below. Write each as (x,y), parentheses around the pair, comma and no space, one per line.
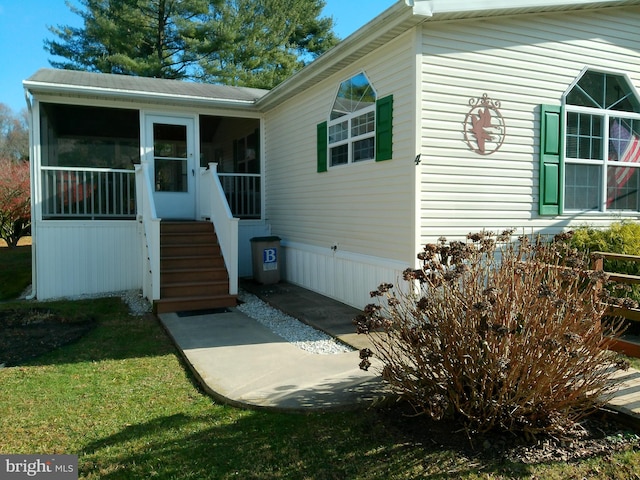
(170,157)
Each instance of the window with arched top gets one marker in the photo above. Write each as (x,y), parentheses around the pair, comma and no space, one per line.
(591,146)
(359,126)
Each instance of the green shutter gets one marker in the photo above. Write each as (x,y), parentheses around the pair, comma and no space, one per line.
(384,128)
(551,167)
(322,147)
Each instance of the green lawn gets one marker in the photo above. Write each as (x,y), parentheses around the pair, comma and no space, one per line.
(121,399)
(15,270)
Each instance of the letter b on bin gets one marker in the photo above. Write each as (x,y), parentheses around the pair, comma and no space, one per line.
(265,253)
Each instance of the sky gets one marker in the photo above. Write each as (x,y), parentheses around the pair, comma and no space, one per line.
(23,29)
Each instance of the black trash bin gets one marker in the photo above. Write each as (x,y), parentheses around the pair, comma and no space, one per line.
(265,253)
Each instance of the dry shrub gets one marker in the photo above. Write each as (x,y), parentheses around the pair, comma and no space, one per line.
(500,333)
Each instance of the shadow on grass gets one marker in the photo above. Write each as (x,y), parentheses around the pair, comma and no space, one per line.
(262,445)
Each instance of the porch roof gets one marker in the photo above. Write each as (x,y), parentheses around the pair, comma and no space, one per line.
(127,87)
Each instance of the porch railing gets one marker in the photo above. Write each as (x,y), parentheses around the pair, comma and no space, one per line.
(243,194)
(88,193)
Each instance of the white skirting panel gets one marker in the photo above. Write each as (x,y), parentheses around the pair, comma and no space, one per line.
(87,258)
(343,276)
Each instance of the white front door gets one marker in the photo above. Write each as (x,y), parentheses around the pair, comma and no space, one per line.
(171,146)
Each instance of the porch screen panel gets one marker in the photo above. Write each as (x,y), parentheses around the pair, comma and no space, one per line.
(87,162)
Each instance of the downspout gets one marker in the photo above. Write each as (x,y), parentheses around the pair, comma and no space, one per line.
(32,182)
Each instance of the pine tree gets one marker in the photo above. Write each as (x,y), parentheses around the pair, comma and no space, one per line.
(256,43)
(133,37)
(260,43)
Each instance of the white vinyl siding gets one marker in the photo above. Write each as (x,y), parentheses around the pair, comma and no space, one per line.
(365,208)
(521,61)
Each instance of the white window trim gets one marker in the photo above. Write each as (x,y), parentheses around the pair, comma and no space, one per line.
(604,163)
(351,140)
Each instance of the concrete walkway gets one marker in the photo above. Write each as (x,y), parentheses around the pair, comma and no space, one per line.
(243,363)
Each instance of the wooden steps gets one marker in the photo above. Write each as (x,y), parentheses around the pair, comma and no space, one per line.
(193,275)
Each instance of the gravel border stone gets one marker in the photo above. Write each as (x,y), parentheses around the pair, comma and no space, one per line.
(291,329)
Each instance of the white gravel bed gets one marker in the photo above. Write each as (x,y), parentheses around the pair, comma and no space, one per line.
(291,329)
(138,305)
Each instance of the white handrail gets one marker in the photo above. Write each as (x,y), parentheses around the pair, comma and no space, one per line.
(151,231)
(225,224)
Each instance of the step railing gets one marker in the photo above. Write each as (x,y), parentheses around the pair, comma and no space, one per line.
(150,232)
(214,205)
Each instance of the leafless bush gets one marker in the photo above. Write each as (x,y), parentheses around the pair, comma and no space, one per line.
(498,332)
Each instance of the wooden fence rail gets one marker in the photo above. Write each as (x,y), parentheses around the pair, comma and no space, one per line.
(623,345)
(598,264)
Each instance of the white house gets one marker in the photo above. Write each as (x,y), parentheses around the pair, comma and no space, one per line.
(437,118)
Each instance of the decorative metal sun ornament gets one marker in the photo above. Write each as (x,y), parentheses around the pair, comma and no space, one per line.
(484,127)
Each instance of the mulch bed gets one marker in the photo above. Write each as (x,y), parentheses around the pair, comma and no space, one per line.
(26,334)
(598,435)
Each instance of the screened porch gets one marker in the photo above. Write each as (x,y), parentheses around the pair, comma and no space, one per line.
(89,153)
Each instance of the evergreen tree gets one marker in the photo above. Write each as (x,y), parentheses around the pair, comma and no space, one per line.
(260,43)
(255,43)
(134,37)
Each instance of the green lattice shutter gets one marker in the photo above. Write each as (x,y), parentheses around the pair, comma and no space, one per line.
(384,129)
(551,167)
(322,147)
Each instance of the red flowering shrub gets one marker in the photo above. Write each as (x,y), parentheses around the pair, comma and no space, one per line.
(497,333)
(15,202)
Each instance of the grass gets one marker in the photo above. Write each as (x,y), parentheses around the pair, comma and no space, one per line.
(15,269)
(121,399)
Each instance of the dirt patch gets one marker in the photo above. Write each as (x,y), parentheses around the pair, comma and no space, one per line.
(26,334)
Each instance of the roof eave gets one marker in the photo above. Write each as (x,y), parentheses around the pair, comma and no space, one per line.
(466,8)
(35,88)
(402,16)
(397,19)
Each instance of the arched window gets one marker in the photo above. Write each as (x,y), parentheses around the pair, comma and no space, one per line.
(359,128)
(352,123)
(602,144)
